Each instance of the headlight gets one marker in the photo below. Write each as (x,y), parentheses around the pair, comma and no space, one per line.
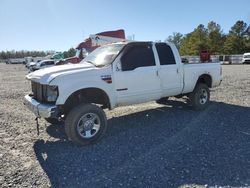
(52,93)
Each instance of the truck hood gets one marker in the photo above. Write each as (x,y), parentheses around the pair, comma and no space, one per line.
(32,63)
(45,76)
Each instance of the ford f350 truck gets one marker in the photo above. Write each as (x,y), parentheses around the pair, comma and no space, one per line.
(114,75)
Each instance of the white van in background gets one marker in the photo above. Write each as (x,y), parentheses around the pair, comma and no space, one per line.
(246,58)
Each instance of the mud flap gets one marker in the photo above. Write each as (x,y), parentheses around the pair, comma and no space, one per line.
(37,126)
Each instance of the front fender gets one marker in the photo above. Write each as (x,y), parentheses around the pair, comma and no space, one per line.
(65,91)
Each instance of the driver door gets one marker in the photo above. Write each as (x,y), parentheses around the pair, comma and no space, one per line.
(136,77)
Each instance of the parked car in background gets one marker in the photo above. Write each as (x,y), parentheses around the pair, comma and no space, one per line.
(41,64)
(246,58)
(32,60)
(15,61)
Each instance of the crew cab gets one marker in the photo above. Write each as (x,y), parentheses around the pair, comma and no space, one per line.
(115,75)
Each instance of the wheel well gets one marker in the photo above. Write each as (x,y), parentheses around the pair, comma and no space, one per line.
(88,95)
(206,79)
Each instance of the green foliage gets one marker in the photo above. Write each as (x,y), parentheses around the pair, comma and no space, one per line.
(239,28)
(22,54)
(216,38)
(176,38)
(70,53)
(212,38)
(195,41)
(236,42)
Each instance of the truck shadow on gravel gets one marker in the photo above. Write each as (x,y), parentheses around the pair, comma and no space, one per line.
(163,147)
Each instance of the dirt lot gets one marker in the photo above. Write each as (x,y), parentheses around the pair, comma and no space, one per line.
(147,145)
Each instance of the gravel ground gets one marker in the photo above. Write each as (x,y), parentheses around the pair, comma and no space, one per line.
(146,145)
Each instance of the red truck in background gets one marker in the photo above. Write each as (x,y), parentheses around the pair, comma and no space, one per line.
(92,43)
(205,56)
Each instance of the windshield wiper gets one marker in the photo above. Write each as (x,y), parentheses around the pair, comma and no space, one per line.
(91,63)
(95,64)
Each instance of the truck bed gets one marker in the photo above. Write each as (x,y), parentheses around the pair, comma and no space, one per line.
(192,72)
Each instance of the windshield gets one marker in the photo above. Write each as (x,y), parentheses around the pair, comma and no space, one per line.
(39,63)
(103,55)
(246,56)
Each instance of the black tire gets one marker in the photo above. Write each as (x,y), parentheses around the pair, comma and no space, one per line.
(75,121)
(162,100)
(53,121)
(200,97)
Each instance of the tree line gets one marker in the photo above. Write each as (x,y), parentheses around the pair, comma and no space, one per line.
(213,39)
(23,53)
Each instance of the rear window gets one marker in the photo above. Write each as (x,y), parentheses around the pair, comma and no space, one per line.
(165,54)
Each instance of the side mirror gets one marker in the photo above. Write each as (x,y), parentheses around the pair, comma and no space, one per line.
(118,66)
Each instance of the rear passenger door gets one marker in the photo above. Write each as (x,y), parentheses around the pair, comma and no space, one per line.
(136,79)
(169,71)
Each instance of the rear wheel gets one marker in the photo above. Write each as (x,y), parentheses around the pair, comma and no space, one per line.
(200,97)
(86,124)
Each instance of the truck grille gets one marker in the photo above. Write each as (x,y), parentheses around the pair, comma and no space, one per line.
(38,91)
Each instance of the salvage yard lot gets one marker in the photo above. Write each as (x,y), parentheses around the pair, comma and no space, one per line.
(146,145)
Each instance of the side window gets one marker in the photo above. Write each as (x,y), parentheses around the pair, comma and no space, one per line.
(50,63)
(137,56)
(165,54)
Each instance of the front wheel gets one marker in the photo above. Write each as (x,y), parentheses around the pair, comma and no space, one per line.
(200,97)
(53,121)
(163,100)
(86,124)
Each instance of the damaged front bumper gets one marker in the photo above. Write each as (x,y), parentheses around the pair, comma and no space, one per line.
(40,109)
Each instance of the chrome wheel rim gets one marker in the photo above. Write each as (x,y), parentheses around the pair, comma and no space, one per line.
(203,96)
(88,125)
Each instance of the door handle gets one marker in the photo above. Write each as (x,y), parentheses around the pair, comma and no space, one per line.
(157,73)
(177,70)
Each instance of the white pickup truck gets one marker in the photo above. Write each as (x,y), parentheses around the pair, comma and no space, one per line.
(114,75)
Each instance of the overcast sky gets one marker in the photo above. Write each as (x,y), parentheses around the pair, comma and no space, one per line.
(61,24)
